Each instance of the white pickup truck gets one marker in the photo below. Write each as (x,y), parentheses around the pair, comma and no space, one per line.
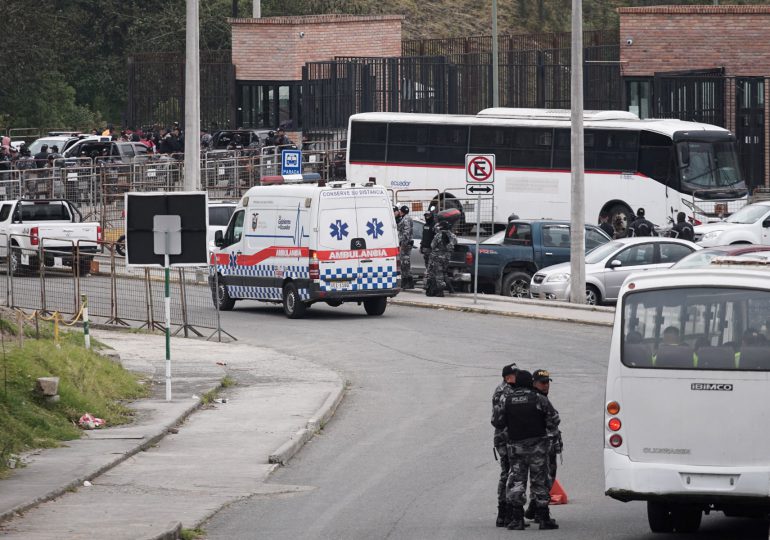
(749,225)
(49,228)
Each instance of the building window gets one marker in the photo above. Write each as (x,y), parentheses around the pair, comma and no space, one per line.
(639,97)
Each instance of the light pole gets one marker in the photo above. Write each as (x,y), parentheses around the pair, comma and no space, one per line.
(577,200)
(192,101)
(495,60)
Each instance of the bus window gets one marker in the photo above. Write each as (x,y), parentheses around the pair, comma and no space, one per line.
(368,141)
(655,156)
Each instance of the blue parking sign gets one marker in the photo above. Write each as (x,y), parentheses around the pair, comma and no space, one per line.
(291,162)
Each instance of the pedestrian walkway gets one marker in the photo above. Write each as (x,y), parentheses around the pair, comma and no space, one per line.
(513,307)
(164,471)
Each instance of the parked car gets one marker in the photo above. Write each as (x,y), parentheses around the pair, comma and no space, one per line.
(107,151)
(62,142)
(609,265)
(54,225)
(749,225)
(460,265)
(219,217)
(509,258)
(703,258)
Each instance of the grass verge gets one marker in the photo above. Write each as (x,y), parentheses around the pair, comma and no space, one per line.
(88,382)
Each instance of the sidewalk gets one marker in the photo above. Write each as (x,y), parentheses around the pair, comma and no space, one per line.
(513,307)
(143,487)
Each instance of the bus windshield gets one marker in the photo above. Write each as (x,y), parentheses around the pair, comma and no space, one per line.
(703,328)
(709,166)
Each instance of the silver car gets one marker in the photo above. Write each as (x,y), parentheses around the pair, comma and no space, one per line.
(608,266)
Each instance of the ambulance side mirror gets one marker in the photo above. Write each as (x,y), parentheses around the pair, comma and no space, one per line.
(219,239)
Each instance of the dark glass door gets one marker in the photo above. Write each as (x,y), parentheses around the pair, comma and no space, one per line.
(750,128)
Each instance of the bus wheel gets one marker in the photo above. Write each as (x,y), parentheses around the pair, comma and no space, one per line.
(659,517)
(620,216)
(686,519)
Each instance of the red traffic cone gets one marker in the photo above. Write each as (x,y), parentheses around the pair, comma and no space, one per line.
(558,495)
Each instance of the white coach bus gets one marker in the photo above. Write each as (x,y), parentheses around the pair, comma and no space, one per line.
(688,396)
(665,166)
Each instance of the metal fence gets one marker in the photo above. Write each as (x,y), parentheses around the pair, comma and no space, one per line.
(52,277)
(472,207)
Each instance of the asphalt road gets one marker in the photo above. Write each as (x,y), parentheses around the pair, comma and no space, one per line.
(409,454)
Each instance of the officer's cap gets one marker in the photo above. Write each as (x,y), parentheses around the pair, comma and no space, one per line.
(510,369)
(405,209)
(523,378)
(541,375)
(640,212)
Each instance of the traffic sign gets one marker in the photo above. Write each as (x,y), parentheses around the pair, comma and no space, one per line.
(479,168)
(291,162)
(483,189)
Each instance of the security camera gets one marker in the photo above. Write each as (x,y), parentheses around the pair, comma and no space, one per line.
(302,34)
(629,41)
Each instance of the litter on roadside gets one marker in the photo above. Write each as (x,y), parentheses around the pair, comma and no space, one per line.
(89,421)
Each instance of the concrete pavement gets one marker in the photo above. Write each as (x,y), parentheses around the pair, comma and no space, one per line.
(513,307)
(144,488)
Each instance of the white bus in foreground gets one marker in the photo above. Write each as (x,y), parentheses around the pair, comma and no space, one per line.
(665,166)
(688,396)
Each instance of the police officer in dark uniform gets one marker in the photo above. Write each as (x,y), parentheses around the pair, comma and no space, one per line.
(683,229)
(500,442)
(531,423)
(428,233)
(640,226)
(604,224)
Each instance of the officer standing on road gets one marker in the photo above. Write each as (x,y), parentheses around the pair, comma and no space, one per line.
(500,442)
(640,226)
(541,381)
(405,232)
(428,232)
(530,421)
(683,229)
(441,249)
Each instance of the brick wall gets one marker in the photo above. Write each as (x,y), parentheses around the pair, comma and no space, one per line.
(273,48)
(678,38)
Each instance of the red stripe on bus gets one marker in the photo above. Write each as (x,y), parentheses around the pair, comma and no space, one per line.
(223,259)
(514,169)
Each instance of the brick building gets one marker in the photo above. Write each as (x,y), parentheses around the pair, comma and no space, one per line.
(269,54)
(705,63)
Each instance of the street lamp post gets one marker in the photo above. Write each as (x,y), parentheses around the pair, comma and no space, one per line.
(577,200)
(192,101)
(495,60)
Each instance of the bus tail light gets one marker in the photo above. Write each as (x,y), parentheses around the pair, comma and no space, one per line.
(314,270)
(614,424)
(34,236)
(615,440)
(469,258)
(613,407)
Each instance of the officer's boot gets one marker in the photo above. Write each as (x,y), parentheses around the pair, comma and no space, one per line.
(517,518)
(408,283)
(531,512)
(546,522)
(449,288)
(439,292)
(502,514)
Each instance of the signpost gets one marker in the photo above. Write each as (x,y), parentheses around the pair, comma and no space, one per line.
(479,178)
(291,162)
(164,229)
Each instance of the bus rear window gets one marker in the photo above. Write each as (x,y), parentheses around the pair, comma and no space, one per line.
(697,328)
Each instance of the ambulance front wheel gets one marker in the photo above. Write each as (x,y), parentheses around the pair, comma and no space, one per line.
(222,299)
(293,306)
(375,306)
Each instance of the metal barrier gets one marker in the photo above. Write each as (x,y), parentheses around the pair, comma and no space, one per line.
(421,200)
(52,277)
(715,207)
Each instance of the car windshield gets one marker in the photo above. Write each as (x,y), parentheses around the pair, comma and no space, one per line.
(496,238)
(719,328)
(220,215)
(709,166)
(748,214)
(602,252)
(699,259)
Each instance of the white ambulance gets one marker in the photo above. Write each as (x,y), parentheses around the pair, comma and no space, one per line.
(301,244)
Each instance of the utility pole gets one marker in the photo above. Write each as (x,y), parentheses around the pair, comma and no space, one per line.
(192,102)
(495,59)
(577,200)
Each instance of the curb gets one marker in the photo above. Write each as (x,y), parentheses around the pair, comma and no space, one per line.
(316,422)
(172,532)
(78,482)
(487,311)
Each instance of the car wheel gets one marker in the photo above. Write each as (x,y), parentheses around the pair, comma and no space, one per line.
(293,306)
(120,246)
(375,306)
(620,216)
(334,303)
(592,295)
(659,517)
(686,519)
(516,285)
(221,297)
(14,261)
(84,266)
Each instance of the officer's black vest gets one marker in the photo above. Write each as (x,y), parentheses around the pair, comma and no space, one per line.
(523,418)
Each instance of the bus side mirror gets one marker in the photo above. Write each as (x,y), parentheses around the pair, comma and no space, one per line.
(684,154)
(219,239)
